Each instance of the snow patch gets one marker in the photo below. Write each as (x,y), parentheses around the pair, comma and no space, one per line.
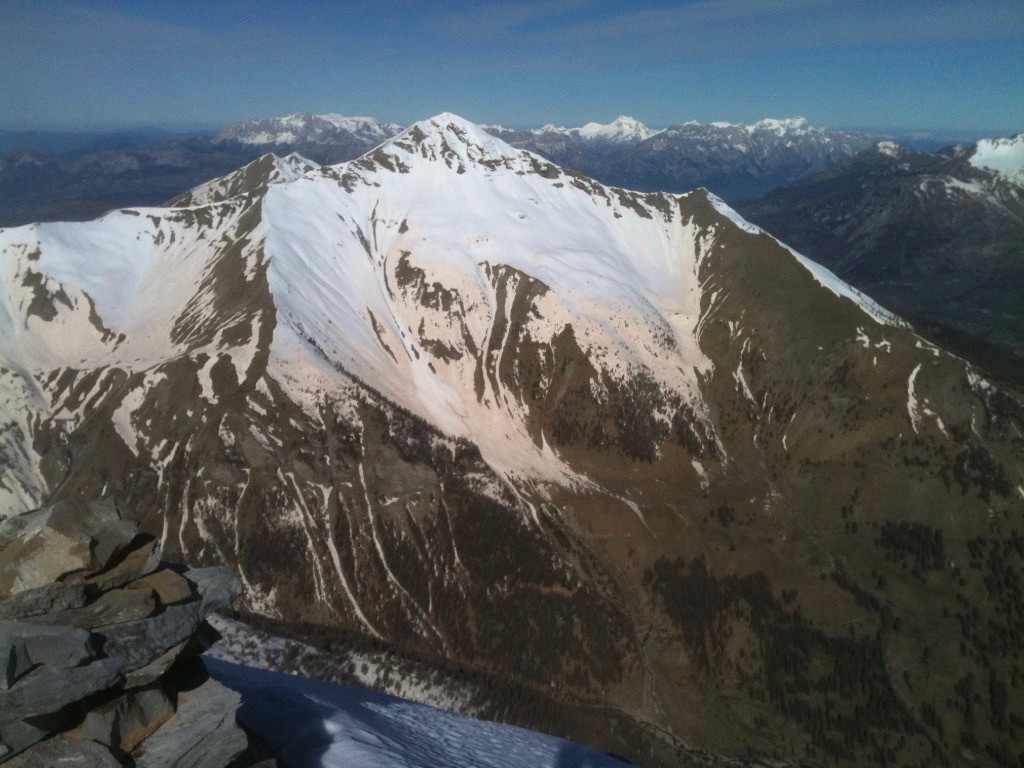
(912,410)
(1004,156)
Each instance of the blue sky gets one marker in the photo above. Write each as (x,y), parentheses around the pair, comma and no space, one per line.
(940,64)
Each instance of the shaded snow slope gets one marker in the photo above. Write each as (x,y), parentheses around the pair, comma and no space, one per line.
(319,725)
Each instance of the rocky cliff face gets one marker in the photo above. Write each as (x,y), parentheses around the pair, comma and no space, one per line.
(99,641)
(622,454)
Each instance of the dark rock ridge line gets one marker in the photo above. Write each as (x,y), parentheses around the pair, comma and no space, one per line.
(99,641)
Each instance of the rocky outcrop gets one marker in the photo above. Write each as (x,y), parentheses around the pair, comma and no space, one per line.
(98,646)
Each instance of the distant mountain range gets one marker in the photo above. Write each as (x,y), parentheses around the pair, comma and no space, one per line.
(937,237)
(733,161)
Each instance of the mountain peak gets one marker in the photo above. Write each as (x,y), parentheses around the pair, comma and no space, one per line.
(890,149)
(447,137)
(622,128)
(780,126)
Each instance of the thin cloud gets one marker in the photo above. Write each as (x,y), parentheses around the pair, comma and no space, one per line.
(723,27)
(495,21)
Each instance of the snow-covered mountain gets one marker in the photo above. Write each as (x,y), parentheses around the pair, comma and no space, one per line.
(646,471)
(304,127)
(324,138)
(622,130)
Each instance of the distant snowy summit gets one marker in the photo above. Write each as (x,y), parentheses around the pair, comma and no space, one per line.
(305,127)
(621,130)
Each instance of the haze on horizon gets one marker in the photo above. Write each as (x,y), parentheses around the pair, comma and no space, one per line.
(102,64)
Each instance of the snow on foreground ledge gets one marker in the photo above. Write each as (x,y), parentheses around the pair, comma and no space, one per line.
(318,725)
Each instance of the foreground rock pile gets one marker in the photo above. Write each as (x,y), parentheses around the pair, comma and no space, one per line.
(99,644)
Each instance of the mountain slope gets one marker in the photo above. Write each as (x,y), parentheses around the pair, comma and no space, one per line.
(664,484)
(938,237)
(268,169)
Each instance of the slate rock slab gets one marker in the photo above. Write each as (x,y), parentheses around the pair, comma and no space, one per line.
(157,667)
(202,734)
(58,596)
(169,587)
(218,587)
(45,689)
(125,721)
(61,752)
(143,559)
(114,607)
(24,645)
(17,735)
(138,643)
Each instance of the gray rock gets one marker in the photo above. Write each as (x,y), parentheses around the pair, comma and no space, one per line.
(218,587)
(48,544)
(65,753)
(141,642)
(114,607)
(155,668)
(202,734)
(136,564)
(18,735)
(170,587)
(124,722)
(59,596)
(24,645)
(45,689)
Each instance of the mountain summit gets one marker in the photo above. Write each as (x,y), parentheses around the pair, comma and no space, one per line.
(657,480)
